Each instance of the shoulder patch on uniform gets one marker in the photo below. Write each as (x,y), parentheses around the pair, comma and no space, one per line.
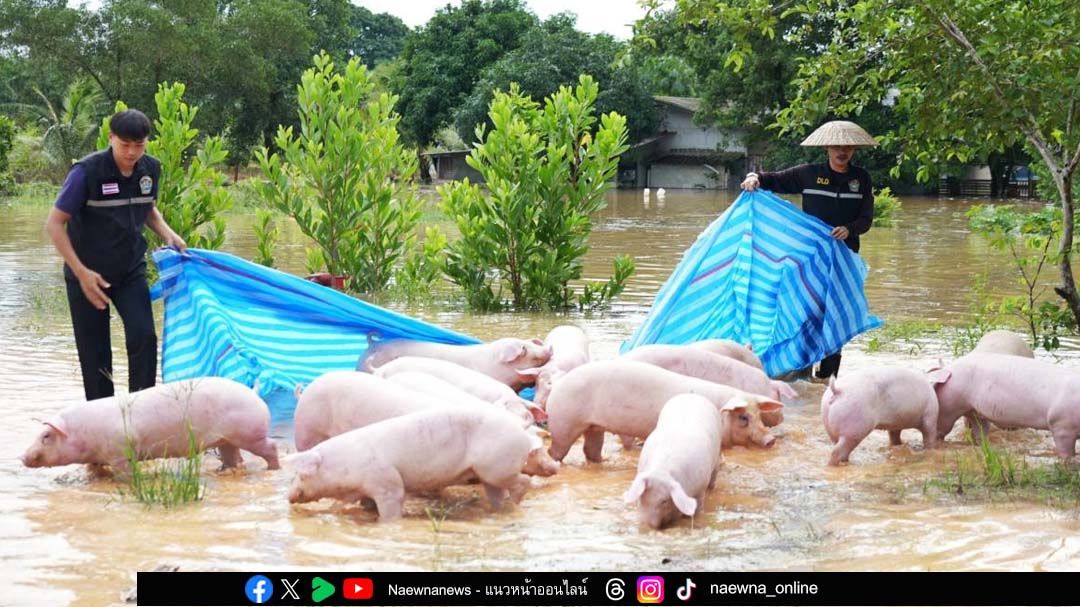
(146,183)
(853,185)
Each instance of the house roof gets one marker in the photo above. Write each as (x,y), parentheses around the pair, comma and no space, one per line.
(447,153)
(690,104)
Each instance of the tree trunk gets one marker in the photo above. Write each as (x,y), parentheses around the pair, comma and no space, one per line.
(1067,290)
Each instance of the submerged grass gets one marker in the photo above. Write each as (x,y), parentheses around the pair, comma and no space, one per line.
(992,473)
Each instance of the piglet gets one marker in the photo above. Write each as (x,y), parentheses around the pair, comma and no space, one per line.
(1012,392)
(625,397)
(422,451)
(883,398)
(569,350)
(436,387)
(478,384)
(1004,342)
(726,347)
(703,364)
(159,422)
(500,359)
(679,460)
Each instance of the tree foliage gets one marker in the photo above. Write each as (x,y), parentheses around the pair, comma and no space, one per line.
(442,61)
(553,55)
(546,174)
(380,37)
(344,176)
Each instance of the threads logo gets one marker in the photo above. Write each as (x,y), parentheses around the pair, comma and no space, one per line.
(259,589)
(650,589)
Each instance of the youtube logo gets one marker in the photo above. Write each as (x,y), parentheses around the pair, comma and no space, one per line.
(358,588)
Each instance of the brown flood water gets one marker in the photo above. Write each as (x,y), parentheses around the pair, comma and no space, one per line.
(67,540)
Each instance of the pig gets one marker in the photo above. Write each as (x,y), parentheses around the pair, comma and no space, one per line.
(625,397)
(1004,342)
(679,460)
(219,412)
(340,401)
(500,359)
(883,398)
(569,350)
(422,451)
(437,388)
(1012,392)
(704,364)
(476,383)
(726,347)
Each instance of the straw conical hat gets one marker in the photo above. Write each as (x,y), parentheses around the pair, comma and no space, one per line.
(840,132)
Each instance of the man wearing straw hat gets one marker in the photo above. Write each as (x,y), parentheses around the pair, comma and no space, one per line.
(835,192)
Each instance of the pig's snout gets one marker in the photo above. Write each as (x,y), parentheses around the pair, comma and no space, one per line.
(296,495)
(31,460)
(767,441)
(540,464)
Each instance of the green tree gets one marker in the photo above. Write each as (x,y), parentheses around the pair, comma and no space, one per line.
(553,55)
(442,60)
(546,174)
(380,37)
(345,177)
(69,128)
(7,142)
(974,78)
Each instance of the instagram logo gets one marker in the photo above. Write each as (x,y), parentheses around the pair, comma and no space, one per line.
(650,589)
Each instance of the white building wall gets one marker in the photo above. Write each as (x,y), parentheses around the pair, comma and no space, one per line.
(688,135)
(673,176)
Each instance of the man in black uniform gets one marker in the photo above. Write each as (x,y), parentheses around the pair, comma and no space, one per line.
(96,225)
(835,192)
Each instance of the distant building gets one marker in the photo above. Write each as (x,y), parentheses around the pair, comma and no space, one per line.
(683,154)
(680,155)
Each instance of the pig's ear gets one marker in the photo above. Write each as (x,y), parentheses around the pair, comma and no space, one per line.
(537,341)
(686,504)
(637,488)
(737,402)
(512,351)
(532,372)
(939,376)
(58,425)
(306,463)
(770,406)
(784,390)
(538,413)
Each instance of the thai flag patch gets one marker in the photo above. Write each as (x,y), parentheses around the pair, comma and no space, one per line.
(110,188)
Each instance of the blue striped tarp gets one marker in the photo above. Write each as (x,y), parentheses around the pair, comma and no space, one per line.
(228,317)
(767,274)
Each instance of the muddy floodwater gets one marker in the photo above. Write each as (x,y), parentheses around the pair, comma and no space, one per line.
(68,540)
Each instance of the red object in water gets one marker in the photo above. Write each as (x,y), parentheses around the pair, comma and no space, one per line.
(328,280)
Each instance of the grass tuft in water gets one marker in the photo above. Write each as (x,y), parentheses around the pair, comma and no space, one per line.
(994,473)
(167,483)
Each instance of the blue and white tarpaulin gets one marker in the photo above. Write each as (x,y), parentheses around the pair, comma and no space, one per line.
(767,274)
(227,317)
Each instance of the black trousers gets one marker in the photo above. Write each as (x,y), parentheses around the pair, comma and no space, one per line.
(131,297)
(830,365)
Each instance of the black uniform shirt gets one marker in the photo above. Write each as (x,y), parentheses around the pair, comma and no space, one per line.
(838,199)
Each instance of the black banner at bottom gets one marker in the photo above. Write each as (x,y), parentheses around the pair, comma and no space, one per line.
(600,588)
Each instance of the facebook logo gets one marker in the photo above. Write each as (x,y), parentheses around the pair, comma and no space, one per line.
(259,589)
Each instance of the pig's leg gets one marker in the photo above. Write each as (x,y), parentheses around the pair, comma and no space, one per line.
(594,443)
(230,456)
(519,485)
(894,438)
(980,428)
(495,496)
(843,449)
(389,502)
(712,478)
(929,427)
(98,471)
(1065,443)
(564,432)
(628,442)
(266,449)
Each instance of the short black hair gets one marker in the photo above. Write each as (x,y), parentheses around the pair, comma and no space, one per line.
(131,125)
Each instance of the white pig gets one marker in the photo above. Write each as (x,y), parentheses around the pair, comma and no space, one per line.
(500,359)
(569,350)
(679,460)
(159,422)
(422,451)
(731,349)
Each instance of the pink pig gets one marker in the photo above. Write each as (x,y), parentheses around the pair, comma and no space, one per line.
(1004,342)
(1012,392)
(569,350)
(219,412)
(883,398)
(340,401)
(679,461)
(422,451)
(625,397)
(436,387)
(703,364)
(500,359)
(478,384)
(726,347)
